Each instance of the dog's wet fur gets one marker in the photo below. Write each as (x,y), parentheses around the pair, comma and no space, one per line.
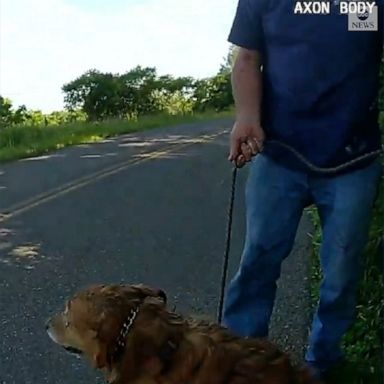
(161,347)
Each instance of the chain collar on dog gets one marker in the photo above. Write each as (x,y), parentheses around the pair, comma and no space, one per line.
(125,329)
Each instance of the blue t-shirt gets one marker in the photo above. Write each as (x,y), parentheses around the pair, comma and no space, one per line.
(321,81)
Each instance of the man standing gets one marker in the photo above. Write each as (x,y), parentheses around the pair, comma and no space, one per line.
(310,82)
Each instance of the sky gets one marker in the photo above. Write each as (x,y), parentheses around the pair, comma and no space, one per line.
(47,43)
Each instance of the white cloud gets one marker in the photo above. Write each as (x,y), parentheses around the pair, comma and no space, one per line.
(46,43)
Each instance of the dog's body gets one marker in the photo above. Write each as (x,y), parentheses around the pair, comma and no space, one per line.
(128,332)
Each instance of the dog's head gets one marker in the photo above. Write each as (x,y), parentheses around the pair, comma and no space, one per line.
(95,320)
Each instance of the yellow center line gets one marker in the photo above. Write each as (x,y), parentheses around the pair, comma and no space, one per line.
(28,204)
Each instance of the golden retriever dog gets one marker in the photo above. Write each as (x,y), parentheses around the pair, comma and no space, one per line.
(128,332)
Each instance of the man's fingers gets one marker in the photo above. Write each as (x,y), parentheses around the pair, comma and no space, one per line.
(260,144)
(255,145)
(246,141)
(234,153)
(246,151)
(242,152)
(240,161)
(235,147)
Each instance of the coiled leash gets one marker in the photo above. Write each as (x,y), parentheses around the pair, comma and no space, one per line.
(310,166)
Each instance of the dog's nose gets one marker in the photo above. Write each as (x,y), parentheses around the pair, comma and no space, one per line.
(47,324)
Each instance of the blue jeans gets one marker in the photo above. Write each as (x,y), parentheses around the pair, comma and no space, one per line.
(275,199)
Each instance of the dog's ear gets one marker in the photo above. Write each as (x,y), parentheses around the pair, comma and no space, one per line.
(145,291)
(100,357)
(107,329)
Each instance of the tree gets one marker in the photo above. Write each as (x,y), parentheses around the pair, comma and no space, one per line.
(93,92)
(229,60)
(137,92)
(9,116)
(6,115)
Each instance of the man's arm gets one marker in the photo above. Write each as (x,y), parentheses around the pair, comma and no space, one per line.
(247,32)
(247,135)
(247,86)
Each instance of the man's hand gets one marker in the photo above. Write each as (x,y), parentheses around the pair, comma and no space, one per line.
(246,141)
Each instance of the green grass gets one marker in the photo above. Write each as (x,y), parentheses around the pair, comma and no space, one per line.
(26,141)
(363,342)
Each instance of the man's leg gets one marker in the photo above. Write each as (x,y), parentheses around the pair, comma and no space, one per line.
(345,204)
(275,199)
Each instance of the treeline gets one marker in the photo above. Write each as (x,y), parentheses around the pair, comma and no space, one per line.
(142,92)
(9,115)
(96,96)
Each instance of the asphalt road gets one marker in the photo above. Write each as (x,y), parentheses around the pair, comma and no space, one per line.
(148,207)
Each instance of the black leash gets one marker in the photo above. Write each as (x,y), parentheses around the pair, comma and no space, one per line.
(227,246)
(232,200)
(317,169)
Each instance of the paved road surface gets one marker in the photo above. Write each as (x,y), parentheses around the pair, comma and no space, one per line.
(148,207)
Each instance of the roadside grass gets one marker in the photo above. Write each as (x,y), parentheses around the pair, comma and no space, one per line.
(363,343)
(26,141)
